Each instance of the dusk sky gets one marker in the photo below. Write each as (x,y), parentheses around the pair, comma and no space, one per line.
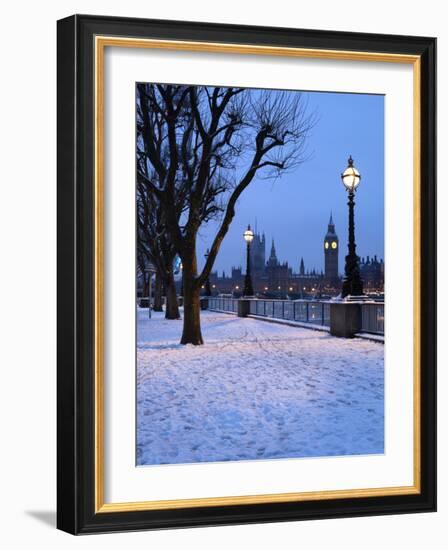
(295,209)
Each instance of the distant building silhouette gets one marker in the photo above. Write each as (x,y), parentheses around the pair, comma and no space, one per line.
(277,279)
(258,254)
(372,274)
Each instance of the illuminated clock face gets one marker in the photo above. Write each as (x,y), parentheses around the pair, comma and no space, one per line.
(326,244)
(334,245)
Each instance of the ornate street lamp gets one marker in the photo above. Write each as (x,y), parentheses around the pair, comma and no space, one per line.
(208,291)
(352,284)
(248,288)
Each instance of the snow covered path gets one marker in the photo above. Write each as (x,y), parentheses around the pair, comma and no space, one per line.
(255,390)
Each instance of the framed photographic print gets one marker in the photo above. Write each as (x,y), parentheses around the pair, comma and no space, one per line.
(247,274)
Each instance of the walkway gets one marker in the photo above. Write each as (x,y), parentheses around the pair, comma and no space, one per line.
(255,390)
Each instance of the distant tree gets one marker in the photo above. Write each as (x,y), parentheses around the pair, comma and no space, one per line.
(154,246)
(143,271)
(205,145)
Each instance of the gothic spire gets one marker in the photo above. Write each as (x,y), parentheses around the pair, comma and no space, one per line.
(273,256)
(331,232)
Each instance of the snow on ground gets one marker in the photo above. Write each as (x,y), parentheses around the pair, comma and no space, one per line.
(255,390)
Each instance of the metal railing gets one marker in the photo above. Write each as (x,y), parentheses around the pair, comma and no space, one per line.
(229,305)
(305,311)
(314,312)
(372,317)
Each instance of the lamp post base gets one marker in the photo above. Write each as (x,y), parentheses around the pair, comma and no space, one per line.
(248,288)
(243,307)
(350,288)
(345,319)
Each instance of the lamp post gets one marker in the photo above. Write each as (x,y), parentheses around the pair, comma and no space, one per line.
(352,284)
(208,291)
(181,291)
(248,288)
(150,271)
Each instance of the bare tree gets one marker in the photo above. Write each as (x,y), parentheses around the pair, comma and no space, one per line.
(143,272)
(205,146)
(154,245)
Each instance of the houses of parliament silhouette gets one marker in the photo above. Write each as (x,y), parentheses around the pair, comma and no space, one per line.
(272,277)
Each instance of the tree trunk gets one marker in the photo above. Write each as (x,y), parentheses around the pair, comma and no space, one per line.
(145,290)
(158,298)
(192,310)
(172,307)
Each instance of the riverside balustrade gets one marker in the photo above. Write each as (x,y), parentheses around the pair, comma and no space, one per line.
(373,317)
(313,312)
(229,305)
(305,311)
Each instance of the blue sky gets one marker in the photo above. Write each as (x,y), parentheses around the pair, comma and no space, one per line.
(295,209)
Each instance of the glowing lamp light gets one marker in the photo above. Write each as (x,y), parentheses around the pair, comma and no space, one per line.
(350,176)
(248,235)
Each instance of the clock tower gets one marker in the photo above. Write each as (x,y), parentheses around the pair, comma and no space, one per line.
(331,252)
